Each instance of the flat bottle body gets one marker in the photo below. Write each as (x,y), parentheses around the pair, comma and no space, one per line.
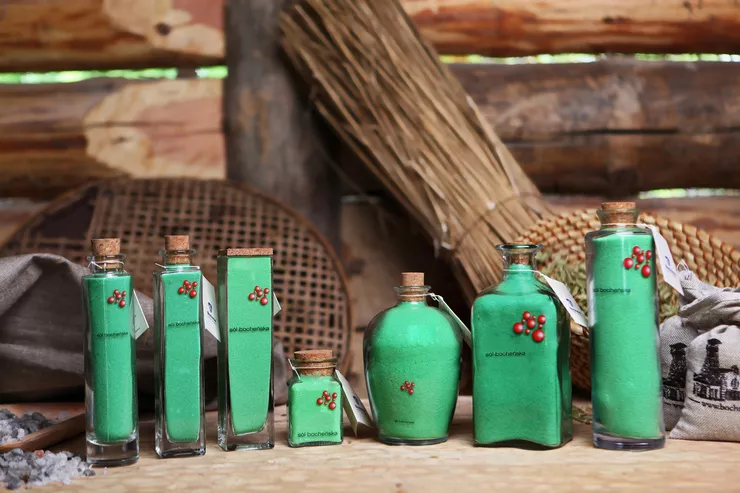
(245,307)
(412,370)
(314,411)
(110,370)
(521,375)
(624,341)
(178,362)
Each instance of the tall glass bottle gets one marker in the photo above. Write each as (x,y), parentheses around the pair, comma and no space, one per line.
(521,374)
(412,367)
(314,400)
(178,353)
(112,434)
(245,409)
(623,323)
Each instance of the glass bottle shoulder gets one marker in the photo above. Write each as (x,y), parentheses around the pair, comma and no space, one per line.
(405,319)
(106,275)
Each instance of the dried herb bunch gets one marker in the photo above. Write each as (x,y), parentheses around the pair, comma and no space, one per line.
(387,95)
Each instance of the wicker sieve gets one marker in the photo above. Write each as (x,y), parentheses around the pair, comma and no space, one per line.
(712,260)
(308,278)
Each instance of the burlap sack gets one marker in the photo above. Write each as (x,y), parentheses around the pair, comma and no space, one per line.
(712,406)
(41,336)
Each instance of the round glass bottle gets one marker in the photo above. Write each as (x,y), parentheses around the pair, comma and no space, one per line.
(412,368)
(521,374)
(623,325)
(314,400)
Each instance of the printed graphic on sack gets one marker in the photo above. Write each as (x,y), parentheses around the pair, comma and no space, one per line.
(714,383)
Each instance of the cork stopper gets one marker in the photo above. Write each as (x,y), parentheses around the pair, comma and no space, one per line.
(412,280)
(173,243)
(617,212)
(103,247)
(245,252)
(314,358)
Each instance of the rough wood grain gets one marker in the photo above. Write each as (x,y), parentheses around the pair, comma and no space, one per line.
(68,420)
(273,142)
(57,136)
(615,127)
(46,35)
(517,28)
(363,464)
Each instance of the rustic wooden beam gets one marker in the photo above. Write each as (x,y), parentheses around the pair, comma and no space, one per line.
(57,136)
(42,35)
(273,142)
(615,127)
(507,28)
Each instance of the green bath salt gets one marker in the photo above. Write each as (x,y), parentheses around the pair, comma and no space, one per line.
(112,436)
(623,322)
(178,362)
(245,352)
(521,375)
(314,400)
(412,368)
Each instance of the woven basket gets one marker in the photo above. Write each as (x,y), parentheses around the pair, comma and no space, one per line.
(308,278)
(712,260)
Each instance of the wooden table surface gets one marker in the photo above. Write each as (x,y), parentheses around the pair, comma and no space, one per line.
(363,464)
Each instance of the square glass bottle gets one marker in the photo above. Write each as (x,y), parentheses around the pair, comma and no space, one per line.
(314,400)
(112,435)
(521,374)
(178,353)
(245,409)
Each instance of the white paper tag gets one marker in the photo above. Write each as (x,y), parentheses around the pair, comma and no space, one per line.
(140,323)
(353,406)
(464,330)
(210,309)
(566,298)
(665,258)
(275,305)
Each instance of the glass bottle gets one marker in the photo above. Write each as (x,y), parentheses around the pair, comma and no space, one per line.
(412,367)
(178,353)
(623,324)
(314,400)
(112,435)
(245,305)
(521,374)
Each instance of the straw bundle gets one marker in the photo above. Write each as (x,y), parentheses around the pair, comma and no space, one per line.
(387,95)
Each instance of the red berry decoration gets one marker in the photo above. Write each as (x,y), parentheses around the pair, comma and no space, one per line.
(646,271)
(541,319)
(111,300)
(252,297)
(538,335)
(256,288)
(628,263)
(123,293)
(540,326)
(411,391)
(319,401)
(640,258)
(403,387)
(637,266)
(527,332)
(649,254)
(263,301)
(116,292)
(412,384)
(518,328)
(193,293)
(636,250)
(332,405)
(526,315)
(122,303)
(531,323)
(334,395)
(181,290)
(195,284)
(267,290)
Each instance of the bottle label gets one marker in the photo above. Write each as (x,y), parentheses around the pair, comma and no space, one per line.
(140,323)
(464,330)
(353,406)
(566,298)
(210,311)
(665,259)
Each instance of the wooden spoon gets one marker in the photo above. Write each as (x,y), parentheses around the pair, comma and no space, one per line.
(68,419)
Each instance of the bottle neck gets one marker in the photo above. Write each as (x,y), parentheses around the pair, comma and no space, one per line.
(412,294)
(106,264)
(519,271)
(173,259)
(617,218)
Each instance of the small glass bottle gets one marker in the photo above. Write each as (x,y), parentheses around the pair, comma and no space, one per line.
(412,367)
(112,434)
(178,353)
(623,323)
(314,400)
(245,306)
(521,374)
